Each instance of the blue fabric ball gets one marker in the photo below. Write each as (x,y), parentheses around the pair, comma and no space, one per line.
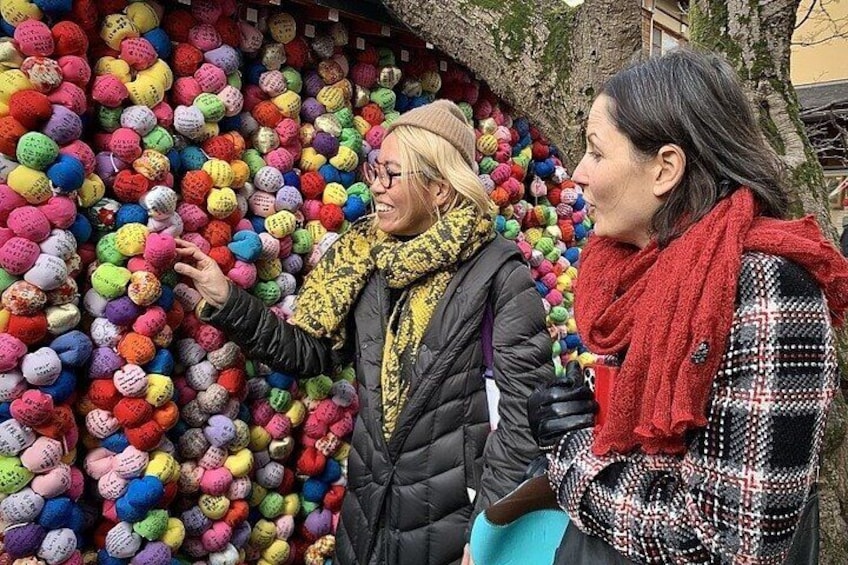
(81,229)
(332,472)
(572,255)
(500,223)
(230,123)
(580,203)
(192,158)
(572,341)
(253,72)
(258,224)
(54,7)
(354,209)
(74,348)
(246,246)
(131,214)
(330,174)
(314,490)
(161,364)
(56,513)
(280,380)
(103,558)
(7,28)
(522,126)
(544,168)
(166,299)
(160,41)
(291,178)
(347,178)
(66,173)
(541,288)
(63,388)
(176,162)
(402,102)
(244,413)
(115,443)
(579,232)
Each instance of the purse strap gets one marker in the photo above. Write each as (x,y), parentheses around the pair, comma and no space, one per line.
(531,495)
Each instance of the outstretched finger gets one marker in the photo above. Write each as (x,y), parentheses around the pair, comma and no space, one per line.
(187,271)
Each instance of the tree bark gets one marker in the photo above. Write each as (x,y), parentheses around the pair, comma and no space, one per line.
(755,37)
(544,58)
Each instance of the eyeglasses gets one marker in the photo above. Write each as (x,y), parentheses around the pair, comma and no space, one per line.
(378,171)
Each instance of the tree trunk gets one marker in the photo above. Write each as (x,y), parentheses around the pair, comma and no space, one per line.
(548,60)
(543,57)
(755,37)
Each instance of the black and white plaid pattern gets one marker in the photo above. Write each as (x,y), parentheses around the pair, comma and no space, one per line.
(737,494)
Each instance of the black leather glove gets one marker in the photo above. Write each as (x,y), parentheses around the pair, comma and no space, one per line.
(537,467)
(561,406)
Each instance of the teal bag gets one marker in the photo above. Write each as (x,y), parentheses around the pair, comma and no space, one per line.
(524,527)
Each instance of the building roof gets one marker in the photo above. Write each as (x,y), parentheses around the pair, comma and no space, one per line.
(813,96)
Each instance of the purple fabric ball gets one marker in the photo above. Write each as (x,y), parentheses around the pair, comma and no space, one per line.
(195,522)
(104,362)
(293,264)
(311,109)
(122,311)
(325,144)
(154,553)
(313,83)
(319,522)
(64,126)
(24,541)
(107,166)
(241,535)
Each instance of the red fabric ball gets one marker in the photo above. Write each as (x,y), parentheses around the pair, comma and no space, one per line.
(129,186)
(84,12)
(70,39)
(224,257)
(112,6)
(175,315)
(334,497)
(31,108)
(267,114)
(103,394)
(297,53)
(145,437)
(540,151)
(369,55)
(312,185)
(304,534)
(287,484)
(178,24)
(331,217)
(555,195)
(311,462)
(132,412)
(196,186)
(186,59)
(171,491)
(233,379)
(11,132)
(220,147)
(217,233)
(228,29)
(28,329)
(372,114)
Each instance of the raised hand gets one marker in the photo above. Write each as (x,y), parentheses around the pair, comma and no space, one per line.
(208,278)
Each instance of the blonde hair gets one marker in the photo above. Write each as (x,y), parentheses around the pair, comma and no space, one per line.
(426,157)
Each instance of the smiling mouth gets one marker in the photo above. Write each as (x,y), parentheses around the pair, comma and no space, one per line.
(384,208)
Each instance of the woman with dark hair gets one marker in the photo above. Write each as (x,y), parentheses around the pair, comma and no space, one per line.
(718,315)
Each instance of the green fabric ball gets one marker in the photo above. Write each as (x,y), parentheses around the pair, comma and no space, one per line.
(153,526)
(279,399)
(318,388)
(107,251)
(272,505)
(159,140)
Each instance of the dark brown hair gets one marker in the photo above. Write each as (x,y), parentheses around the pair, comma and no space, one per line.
(694,100)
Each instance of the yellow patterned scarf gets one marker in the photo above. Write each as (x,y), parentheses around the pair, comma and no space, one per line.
(421,267)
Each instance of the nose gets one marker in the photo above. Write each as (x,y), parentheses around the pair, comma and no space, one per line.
(579,174)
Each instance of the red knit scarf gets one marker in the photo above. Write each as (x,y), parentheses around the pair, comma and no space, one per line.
(671,310)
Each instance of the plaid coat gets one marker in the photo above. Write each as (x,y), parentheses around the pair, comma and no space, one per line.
(737,494)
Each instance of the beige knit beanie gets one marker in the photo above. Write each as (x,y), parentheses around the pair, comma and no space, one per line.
(445,119)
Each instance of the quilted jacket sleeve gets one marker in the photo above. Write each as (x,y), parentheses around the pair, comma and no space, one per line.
(266,338)
(522,361)
(737,494)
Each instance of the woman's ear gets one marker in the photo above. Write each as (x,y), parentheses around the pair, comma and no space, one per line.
(442,193)
(671,161)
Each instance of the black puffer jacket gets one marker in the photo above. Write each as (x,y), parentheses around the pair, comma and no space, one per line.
(409,499)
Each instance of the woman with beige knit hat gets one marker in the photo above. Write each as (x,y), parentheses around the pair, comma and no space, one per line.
(423,300)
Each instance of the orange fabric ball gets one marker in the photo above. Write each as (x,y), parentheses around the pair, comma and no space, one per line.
(267,114)
(186,59)
(224,257)
(31,108)
(136,348)
(196,186)
(103,394)
(218,233)
(11,132)
(28,329)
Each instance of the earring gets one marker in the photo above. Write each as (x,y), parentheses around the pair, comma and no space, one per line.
(438,214)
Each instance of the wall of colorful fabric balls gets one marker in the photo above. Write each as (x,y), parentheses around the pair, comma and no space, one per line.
(130,431)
